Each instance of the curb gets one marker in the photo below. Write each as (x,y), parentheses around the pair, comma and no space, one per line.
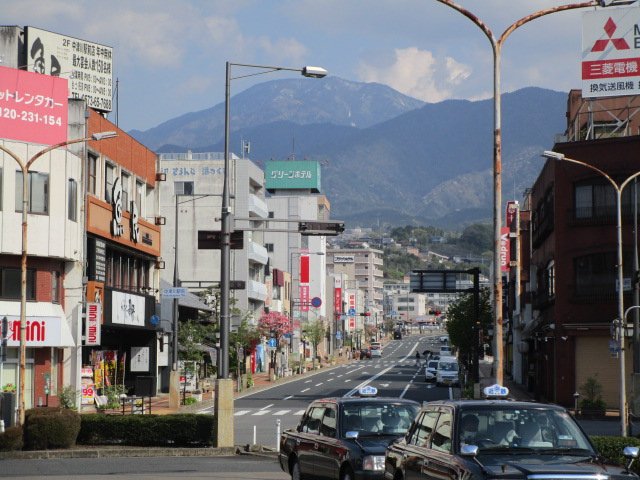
(109,452)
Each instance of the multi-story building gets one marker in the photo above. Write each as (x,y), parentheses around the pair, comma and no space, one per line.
(573,268)
(191,200)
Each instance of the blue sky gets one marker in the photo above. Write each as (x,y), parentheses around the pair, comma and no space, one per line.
(169,55)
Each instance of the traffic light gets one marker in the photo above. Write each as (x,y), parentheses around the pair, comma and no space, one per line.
(320,228)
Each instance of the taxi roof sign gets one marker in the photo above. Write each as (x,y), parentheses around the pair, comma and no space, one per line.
(368,391)
(496,390)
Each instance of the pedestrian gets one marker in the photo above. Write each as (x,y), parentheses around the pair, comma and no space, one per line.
(417,358)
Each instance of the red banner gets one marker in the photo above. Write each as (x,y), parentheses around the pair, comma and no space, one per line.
(337,300)
(304,298)
(33,107)
(304,269)
(505,249)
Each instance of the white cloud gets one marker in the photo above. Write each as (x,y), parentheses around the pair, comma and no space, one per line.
(419,74)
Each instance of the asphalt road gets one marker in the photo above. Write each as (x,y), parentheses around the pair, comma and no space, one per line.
(394,375)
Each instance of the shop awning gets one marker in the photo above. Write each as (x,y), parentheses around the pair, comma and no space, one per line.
(47,324)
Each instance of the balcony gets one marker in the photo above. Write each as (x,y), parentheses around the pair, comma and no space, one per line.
(257,207)
(257,253)
(256,290)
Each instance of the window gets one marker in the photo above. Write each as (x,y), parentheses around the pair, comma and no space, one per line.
(73,200)
(109,178)
(595,273)
(271,215)
(10,281)
(441,440)
(269,247)
(38,192)
(183,188)
(139,197)
(126,186)
(550,280)
(424,428)
(311,424)
(92,170)
(328,427)
(55,287)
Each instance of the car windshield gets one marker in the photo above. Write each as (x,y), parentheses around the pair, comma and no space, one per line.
(512,429)
(378,419)
(448,366)
(432,364)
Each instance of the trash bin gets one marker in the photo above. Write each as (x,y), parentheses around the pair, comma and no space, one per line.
(8,408)
(145,386)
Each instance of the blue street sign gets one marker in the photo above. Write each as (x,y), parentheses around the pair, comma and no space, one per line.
(338,335)
(154,320)
(316,302)
(272,342)
(352,312)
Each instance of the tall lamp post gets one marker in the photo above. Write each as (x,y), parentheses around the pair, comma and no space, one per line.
(224,388)
(496,45)
(618,187)
(24,167)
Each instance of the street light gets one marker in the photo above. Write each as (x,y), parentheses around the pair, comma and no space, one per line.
(24,167)
(621,313)
(496,45)
(224,388)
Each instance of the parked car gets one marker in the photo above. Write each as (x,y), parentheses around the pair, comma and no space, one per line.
(446,350)
(365,353)
(448,372)
(345,437)
(493,439)
(430,371)
(376,350)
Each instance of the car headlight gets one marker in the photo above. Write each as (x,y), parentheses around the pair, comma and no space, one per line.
(373,462)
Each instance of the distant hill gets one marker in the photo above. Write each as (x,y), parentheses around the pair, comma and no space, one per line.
(386,158)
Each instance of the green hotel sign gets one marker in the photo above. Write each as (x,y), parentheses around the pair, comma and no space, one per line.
(292,175)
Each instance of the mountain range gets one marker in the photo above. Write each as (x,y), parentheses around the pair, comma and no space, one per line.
(386,158)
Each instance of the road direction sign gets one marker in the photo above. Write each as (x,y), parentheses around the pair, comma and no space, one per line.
(352,312)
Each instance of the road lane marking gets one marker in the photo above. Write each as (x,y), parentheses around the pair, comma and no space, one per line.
(307,381)
(240,412)
(264,408)
(261,412)
(299,412)
(287,398)
(302,391)
(340,376)
(281,412)
(318,384)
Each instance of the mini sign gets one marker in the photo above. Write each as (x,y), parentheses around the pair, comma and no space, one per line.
(174,292)
(93,324)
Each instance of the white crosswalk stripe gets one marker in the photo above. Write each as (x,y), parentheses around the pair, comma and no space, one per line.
(261,412)
(299,412)
(282,412)
(240,412)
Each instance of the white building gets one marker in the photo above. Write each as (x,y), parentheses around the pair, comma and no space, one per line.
(192,196)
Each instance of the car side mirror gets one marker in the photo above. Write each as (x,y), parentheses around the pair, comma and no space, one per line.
(351,435)
(630,453)
(469,450)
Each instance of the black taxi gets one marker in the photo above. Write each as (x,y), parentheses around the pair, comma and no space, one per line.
(498,439)
(345,438)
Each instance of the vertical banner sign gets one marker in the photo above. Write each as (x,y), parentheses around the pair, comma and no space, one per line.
(304,283)
(93,324)
(505,249)
(33,108)
(337,295)
(611,52)
(352,311)
(511,212)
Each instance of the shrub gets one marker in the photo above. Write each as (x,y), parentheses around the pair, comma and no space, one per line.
(178,430)
(190,401)
(67,397)
(46,428)
(11,439)
(592,404)
(611,449)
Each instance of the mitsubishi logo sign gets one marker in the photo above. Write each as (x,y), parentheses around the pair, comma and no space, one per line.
(618,43)
(611,52)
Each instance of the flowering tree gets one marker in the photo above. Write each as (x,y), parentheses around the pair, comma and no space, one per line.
(274,323)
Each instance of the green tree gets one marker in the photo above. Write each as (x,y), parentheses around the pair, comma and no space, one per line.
(246,337)
(461,323)
(477,237)
(315,332)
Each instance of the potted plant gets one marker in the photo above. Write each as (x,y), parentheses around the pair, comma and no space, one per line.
(592,405)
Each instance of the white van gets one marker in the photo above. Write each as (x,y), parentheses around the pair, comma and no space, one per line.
(446,351)
(376,350)
(448,372)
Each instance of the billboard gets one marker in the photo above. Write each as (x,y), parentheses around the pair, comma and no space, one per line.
(505,250)
(292,175)
(33,108)
(87,65)
(611,52)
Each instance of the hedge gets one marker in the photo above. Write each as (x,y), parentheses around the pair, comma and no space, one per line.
(46,428)
(178,430)
(11,439)
(611,449)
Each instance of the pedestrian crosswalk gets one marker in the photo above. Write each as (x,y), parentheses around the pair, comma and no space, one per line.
(276,413)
